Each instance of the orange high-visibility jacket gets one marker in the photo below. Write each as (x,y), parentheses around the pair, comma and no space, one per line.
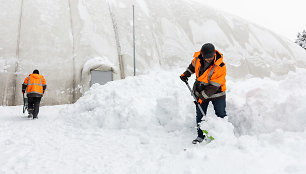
(214,75)
(35,83)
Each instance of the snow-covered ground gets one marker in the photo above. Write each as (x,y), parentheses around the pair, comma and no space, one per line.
(145,124)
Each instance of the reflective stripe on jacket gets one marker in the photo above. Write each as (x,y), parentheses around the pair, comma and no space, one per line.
(214,75)
(35,83)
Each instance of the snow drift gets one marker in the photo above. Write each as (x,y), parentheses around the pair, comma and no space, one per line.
(254,105)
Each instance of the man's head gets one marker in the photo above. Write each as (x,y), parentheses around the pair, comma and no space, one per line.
(36,72)
(208,51)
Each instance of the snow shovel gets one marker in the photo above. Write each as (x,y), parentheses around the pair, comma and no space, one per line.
(25,103)
(207,137)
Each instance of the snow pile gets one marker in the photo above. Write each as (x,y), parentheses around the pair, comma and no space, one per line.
(261,105)
(264,132)
(255,105)
(142,102)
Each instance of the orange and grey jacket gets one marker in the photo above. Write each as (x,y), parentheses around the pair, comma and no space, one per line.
(210,81)
(35,85)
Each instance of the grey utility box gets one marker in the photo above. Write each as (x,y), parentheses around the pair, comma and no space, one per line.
(100,77)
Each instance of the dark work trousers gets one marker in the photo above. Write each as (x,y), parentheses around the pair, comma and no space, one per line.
(219,107)
(33,105)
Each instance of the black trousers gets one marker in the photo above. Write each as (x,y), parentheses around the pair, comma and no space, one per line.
(33,105)
(219,107)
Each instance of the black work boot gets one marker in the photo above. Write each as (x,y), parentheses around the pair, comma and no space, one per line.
(197,140)
(200,137)
(30,115)
(30,112)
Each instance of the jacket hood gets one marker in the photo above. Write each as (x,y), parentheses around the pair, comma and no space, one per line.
(218,57)
(35,76)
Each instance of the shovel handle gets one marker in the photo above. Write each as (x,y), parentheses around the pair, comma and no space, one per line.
(198,104)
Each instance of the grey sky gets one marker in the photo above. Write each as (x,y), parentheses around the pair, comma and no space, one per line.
(286,18)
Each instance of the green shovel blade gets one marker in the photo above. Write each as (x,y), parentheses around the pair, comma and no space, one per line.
(206,134)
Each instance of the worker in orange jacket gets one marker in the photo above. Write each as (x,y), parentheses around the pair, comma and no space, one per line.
(35,84)
(210,83)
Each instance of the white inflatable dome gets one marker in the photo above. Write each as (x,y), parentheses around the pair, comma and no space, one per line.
(65,40)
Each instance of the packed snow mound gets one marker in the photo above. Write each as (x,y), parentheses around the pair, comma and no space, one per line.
(161,100)
(266,104)
(145,101)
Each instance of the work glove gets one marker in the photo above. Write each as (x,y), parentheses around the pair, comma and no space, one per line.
(200,87)
(23,91)
(184,78)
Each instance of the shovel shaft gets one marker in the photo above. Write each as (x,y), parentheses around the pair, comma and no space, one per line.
(198,104)
(207,138)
